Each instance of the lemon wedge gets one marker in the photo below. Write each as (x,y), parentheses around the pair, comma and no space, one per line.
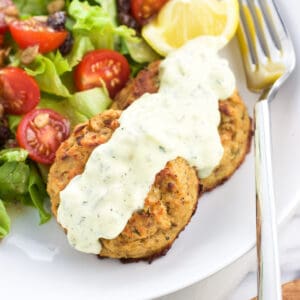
(182,20)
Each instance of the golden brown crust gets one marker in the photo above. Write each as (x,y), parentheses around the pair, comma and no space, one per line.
(235,132)
(146,81)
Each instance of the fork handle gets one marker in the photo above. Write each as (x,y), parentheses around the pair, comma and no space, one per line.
(269,283)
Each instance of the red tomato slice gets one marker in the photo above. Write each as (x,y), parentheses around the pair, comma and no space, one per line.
(19,93)
(41,132)
(3,24)
(143,10)
(1,39)
(32,32)
(99,66)
(8,11)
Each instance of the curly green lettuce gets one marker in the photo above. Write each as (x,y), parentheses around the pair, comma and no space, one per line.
(4,221)
(80,106)
(47,71)
(21,181)
(96,27)
(32,7)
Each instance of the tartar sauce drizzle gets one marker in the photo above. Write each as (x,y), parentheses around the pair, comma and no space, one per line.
(180,120)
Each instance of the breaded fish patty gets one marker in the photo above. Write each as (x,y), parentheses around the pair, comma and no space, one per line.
(235,128)
(173,197)
(168,207)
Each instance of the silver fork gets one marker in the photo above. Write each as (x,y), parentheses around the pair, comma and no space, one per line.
(269,59)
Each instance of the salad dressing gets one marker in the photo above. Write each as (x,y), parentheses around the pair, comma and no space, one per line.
(181,119)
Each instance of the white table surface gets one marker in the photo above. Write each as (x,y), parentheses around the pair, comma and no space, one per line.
(238,281)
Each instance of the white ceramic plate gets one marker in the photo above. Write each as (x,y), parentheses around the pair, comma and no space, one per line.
(37,262)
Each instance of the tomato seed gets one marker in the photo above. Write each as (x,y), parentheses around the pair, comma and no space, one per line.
(41,120)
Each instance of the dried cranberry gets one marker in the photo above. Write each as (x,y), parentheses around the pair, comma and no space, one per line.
(11,143)
(124,15)
(128,20)
(4,134)
(57,20)
(123,6)
(67,45)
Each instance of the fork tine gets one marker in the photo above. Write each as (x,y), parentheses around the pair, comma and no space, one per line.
(263,61)
(269,18)
(260,26)
(244,34)
(281,33)
(255,15)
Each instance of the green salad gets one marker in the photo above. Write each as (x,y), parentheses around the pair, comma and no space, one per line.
(62,62)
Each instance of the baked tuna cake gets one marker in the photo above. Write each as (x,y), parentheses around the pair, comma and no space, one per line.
(173,197)
(235,128)
(168,207)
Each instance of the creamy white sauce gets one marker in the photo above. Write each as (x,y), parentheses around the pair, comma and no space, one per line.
(180,120)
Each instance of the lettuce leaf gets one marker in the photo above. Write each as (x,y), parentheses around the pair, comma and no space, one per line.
(4,221)
(90,102)
(43,171)
(13,122)
(82,45)
(62,106)
(61,64)
(110,7)
(139,51)
(97,26)
(14,178)
(32,7)
(80,107)
(47,74)
(37,193)
(13,154)
(21,181)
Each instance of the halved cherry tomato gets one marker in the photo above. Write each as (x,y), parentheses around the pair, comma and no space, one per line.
(143,10)
(8,12)
(99,66)
(31,32)
(19,93)
(3,24)
(41,132)
(1,39)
